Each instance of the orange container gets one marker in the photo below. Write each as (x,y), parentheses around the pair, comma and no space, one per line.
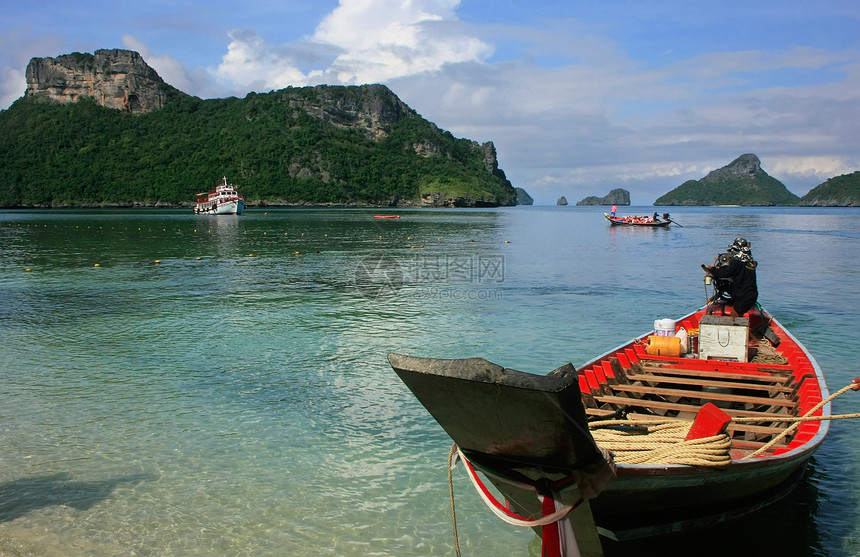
(663,346)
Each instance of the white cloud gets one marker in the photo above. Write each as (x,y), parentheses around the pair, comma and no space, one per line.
(386,39)
(361,41)
(12,85)
(817,167)
(251,64)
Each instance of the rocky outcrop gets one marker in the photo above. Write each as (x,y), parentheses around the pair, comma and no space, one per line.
(617,196)
(741,182)
(523,197)
(743,167)
(562,201)
(439,199)
(113,78)
(373,109)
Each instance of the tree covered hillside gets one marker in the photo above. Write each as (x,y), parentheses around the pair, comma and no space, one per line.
(296,145)
(839,191)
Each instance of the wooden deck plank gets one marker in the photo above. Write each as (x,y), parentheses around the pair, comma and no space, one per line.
(682,407)
(752,368)
(683,393)
(715,382)
(732,427)
(779,379)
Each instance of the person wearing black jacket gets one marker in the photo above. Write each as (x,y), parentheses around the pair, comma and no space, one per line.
(741,269)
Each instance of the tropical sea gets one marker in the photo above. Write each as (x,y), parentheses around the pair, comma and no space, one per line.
(173,384)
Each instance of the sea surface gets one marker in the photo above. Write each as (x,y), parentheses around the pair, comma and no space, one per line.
(173,384)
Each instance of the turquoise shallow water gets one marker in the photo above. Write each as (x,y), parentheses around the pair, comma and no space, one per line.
(234,398)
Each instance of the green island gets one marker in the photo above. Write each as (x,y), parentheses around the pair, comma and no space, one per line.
(319,145)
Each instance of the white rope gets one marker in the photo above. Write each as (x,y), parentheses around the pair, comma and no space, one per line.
(526,523)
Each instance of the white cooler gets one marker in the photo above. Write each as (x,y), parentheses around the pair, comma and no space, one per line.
(724,338)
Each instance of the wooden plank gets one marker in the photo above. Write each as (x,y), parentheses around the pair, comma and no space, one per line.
(750,428)
(683,393)
(742,444)
(681,407)
(733,427)
(753,368)
(599,412)
(657,378)
(715,374)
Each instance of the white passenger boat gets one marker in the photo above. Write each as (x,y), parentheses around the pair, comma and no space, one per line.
(223,200)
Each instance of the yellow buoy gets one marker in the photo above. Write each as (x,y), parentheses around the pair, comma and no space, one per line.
(297,253)
(27,270)
(157,261)
(197,258)
(96,265)
(250,255)
(507,242)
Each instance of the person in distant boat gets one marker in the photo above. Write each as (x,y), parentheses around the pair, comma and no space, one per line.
(741,270)
(612,211)
(655,218)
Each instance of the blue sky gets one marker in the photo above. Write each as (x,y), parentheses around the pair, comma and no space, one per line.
(579,97)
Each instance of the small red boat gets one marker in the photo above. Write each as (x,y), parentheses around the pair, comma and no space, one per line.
(647,222)
(386,216)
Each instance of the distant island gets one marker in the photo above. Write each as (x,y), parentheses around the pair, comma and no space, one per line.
(839,191)
(562,201)
(744,182)
(617,196)
(104,130)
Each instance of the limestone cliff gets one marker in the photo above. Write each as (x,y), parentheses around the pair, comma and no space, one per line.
(372,109)
(114,78)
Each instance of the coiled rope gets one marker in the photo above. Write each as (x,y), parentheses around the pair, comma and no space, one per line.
(660,441)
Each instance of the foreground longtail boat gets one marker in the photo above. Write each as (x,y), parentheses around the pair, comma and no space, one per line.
(644,222)
(745,392)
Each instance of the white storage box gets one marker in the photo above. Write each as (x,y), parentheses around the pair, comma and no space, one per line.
(724,338)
